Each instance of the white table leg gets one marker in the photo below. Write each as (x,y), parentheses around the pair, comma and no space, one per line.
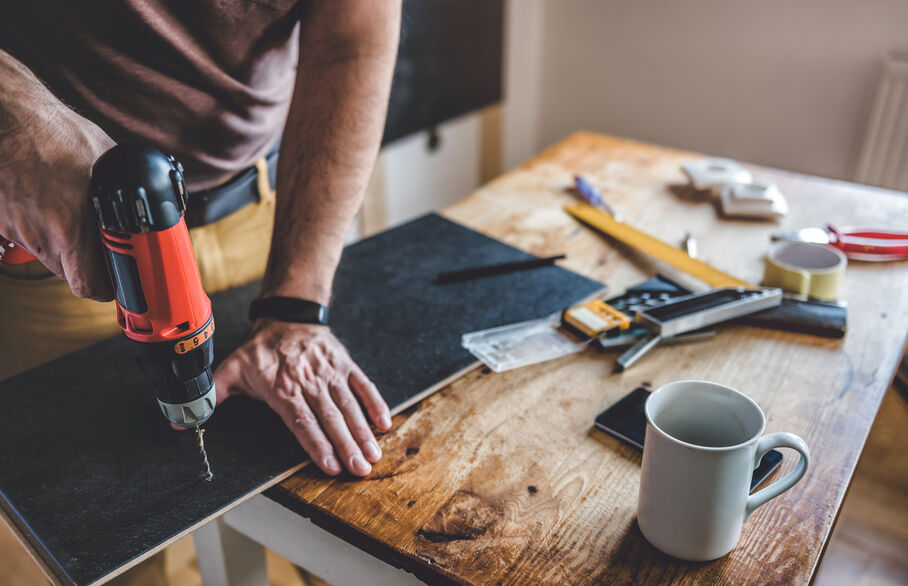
(305,544)
(229,558)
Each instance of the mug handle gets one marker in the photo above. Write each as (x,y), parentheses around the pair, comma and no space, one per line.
(778,440)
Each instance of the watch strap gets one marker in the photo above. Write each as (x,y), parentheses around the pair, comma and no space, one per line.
(289,309)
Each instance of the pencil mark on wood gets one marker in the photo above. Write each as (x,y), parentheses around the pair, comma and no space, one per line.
(849,377)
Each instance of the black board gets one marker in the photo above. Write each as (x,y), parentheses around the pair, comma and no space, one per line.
(449,62)
(93,477)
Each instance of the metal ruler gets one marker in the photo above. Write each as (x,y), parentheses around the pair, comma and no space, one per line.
(603,222)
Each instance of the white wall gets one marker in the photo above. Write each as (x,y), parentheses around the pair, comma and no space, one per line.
(523,61)
(417,180)
(786,83)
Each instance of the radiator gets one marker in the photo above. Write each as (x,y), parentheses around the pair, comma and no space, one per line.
(883,159)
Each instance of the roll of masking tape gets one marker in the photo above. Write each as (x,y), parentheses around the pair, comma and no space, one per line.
(813,270)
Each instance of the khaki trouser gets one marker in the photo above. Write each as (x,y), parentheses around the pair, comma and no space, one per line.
(40,318)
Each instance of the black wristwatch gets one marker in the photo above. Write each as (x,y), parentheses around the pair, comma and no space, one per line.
(291,309)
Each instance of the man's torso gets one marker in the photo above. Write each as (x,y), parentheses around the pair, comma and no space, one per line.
(207,80)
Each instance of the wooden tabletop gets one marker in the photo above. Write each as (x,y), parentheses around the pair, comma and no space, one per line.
(501,478)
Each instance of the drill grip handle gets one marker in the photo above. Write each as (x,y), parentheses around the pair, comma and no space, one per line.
(13,254)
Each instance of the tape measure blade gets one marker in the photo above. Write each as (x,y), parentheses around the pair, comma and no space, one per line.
(667,253)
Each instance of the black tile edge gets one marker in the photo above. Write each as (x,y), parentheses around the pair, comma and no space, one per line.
(422,569)
(132,562)
(39,554)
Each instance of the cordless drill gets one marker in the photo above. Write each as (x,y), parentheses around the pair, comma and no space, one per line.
(139,197)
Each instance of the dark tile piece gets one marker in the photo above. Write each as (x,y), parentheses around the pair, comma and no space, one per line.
(438,76)
(98,477)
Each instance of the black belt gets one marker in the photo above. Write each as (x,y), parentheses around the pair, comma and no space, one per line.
(211,205)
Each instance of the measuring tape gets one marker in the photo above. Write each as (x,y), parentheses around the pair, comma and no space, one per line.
(594,318)
(654,247)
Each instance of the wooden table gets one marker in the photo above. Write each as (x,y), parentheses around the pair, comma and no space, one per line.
(500,478)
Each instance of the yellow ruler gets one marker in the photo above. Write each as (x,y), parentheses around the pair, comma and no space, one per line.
(643,242)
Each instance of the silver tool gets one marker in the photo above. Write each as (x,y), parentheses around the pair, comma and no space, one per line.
(637,351)
(625,341)
(684,317)
(690,245)
(699,310)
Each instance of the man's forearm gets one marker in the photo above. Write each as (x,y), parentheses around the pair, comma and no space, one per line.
(27,110)
(332,135)
(46,155)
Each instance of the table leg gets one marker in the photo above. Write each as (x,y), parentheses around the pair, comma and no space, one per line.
(305,544)
(229,558)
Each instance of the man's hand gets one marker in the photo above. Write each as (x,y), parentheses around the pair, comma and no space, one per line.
(331,137)
(46,155)
(306,376)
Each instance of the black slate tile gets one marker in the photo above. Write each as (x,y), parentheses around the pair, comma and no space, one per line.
(98,477)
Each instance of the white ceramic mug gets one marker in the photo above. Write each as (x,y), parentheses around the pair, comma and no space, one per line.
(702,445)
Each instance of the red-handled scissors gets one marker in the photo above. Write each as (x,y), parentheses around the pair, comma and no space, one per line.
(857,243)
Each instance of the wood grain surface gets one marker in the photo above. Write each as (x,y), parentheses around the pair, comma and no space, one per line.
(501,478)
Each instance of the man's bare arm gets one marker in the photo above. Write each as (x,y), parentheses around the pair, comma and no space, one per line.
(46,155)
(332,135)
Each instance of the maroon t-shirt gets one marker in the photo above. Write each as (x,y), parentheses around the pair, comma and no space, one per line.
(209,81)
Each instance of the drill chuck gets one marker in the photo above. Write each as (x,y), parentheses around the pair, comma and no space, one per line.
(139,198)
(180,372)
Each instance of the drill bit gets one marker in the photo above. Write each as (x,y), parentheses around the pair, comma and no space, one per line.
(205,472)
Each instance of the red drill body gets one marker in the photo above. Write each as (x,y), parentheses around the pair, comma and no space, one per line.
(139,198)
